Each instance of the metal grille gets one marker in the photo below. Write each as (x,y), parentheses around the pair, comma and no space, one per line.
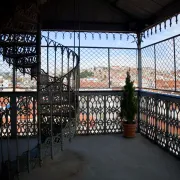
(26,116)
(44,60)
(6,76)
(177,67)
(5,115)
(51,60)
(100,68)
(160,120)
(18,114)
(165,72)
(148,67)
(24,82)
(160,65)
(11,78)
(99,113)
(122,60)
(103,68)
(94,68)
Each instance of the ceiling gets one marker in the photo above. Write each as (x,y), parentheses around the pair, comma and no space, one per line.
(106,15)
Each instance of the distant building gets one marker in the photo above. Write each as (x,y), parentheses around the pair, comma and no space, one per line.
(5,83)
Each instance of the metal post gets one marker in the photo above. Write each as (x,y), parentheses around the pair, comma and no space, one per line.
(139,61)
(139,74)
(68,56)
(174,48)
(48,54)
(156,119)
(27,130)
(14,78)
(138,114)
(147,100)
(61,118)
(55,49)
(105,114)
(155,63)
(79,26)
(17,153)
(75,99)
(38,51)
(74,24)
(13,115)
(69,96)
(14,69)
(34,115)
(109,67)
(51,124)
(79,55)
(8,144)
(62,64)
(167,124)
(78,70)
(70,108)
(88,114)
(1,135)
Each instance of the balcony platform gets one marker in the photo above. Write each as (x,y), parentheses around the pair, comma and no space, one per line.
(109,157)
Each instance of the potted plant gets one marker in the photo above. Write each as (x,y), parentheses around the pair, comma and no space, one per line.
(129,107)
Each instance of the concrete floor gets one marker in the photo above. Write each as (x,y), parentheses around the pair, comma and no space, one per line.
(109,157)
(14,149)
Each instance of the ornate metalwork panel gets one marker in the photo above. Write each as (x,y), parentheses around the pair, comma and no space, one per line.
(18,114)
(99,113)
(26,116)
(112,111)
(96,114)
(5,115)
(160,120)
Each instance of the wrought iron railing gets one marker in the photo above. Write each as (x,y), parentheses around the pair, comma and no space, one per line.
(99,112)
(159,119)
(160,65)
(159,116)
(105,67)
(18,114)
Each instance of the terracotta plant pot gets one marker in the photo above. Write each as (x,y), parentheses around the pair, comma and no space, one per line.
(129,130)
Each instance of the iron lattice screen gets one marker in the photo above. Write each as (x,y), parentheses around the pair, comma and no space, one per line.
(12,79)
(103,68)
(159,120)
(100,68)
(6,76)
(122,60)
(99,113)
(18,114)
(161,65)
(94,68)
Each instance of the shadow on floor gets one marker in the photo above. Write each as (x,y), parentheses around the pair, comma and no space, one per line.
(109,157)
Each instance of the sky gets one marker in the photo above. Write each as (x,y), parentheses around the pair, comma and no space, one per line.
(111,42)
(97,57)
(114,40)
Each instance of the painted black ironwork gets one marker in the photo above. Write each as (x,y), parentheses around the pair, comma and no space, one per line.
(54,104)
(160,65)
(99,112)
(91,35)
(159,26)
(160,120)
(58,118)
